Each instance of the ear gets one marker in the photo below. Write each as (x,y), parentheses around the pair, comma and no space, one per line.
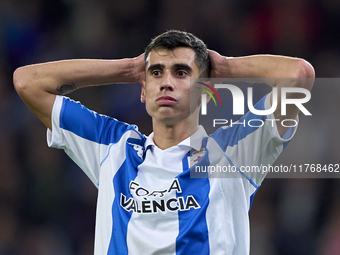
(142,95)
(206,88)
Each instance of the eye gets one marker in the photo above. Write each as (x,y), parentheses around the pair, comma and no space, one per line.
(182,73)
(156,73)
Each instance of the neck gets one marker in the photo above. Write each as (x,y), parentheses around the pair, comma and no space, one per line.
(167,136)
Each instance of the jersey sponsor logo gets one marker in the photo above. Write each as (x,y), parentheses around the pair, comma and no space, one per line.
(145,201)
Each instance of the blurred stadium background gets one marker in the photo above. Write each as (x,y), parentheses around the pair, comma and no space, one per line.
(47,205)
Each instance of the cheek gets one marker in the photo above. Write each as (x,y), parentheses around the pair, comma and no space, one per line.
(150,87)
(148,100)
(195,99)
(195,94)
(147,94)
(148,110)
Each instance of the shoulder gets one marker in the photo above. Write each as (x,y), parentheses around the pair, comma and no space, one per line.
(74,117)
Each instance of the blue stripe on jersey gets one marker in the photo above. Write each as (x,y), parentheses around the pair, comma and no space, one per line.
(193,237)
(76,113)
(232,135)
(121,217)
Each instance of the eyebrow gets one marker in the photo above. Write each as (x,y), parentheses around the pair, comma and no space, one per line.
(176,66)
(183,66)
(156,66)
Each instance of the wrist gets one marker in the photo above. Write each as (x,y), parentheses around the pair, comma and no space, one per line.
(124,70)
(224,67)
(138,68)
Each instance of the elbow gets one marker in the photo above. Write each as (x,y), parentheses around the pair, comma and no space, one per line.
(305,69)
(305,74)
(22,79)
(19,80)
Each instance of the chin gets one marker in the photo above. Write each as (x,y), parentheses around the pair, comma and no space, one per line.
(168,115)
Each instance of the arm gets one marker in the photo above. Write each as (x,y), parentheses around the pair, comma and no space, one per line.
(38,85)
(276,71)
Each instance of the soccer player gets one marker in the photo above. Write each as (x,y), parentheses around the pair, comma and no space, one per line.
(147,202)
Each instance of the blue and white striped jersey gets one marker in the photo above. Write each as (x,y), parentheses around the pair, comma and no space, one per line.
(148,202)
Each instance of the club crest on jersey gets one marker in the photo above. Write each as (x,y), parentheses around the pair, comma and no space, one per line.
(196,156)
(168,199)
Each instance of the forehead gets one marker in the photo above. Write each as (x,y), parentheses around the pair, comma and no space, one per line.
(165,56)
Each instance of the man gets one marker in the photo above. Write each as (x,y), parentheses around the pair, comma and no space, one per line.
(147,202)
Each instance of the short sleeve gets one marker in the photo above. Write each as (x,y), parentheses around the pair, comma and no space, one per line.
(84,134)
(254,142)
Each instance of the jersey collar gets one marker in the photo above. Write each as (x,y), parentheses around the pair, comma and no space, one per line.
(192,142)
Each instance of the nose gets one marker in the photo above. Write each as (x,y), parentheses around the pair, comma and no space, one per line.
(167,83)
(166,88)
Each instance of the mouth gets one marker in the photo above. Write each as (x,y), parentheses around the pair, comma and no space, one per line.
(166,100)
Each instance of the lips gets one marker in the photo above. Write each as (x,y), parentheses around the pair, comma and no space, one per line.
(166,100)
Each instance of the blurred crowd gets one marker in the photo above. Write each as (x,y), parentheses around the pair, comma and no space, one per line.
(47,205)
